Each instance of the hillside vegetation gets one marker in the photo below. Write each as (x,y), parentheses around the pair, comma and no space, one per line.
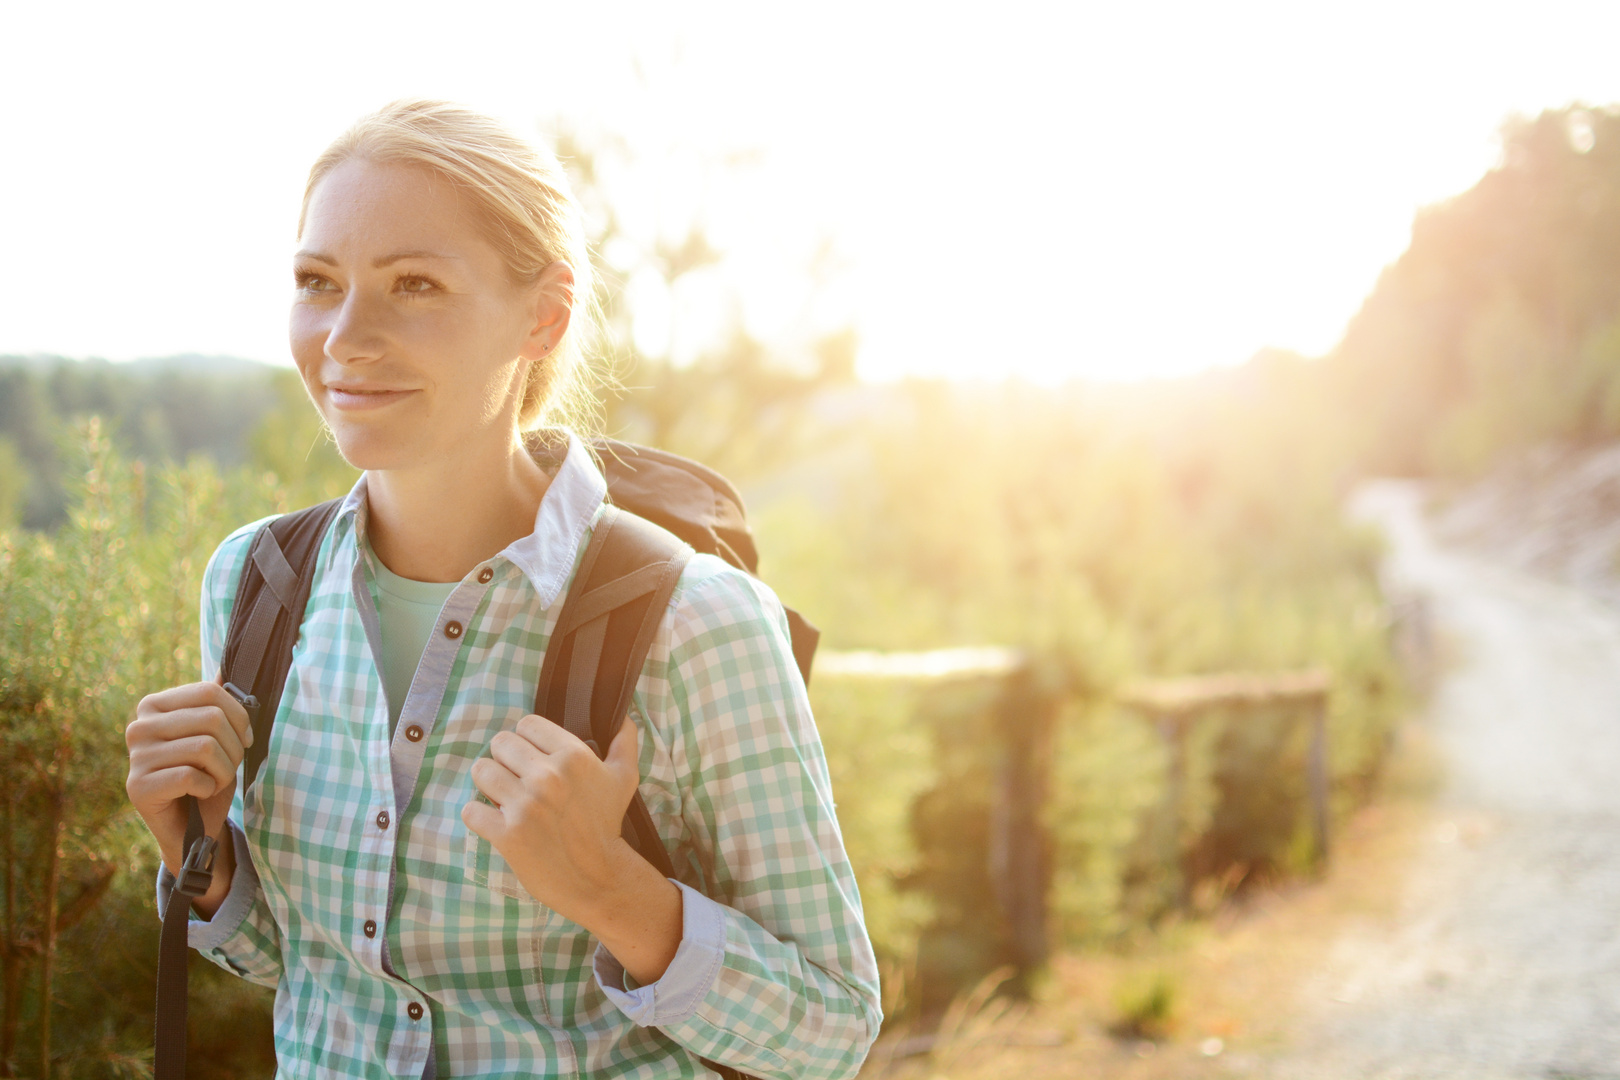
(1499,328)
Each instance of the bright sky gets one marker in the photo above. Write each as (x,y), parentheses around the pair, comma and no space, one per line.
(1102,190)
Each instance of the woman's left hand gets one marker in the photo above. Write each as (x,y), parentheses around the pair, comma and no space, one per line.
(556,822)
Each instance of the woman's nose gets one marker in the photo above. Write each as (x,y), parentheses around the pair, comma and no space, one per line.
(357,332)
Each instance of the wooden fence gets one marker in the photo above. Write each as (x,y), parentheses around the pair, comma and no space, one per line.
(1175,705)
(1025,715)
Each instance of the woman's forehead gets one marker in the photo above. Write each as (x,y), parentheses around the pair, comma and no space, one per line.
(364,205)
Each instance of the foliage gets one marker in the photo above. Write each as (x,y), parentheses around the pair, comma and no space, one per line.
(880,759)
(1145,1004)
(1113,534)
(1498,328)
(96,614)
(157,411)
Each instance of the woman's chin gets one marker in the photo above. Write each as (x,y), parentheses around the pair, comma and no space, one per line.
(366,451)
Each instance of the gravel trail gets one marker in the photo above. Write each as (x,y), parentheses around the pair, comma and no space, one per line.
(1505,959)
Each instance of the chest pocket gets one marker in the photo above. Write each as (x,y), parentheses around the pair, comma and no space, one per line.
(487,867)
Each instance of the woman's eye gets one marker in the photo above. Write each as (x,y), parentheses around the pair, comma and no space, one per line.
(309,282)
(413,284)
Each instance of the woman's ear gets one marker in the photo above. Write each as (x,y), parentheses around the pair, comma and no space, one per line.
(553,306)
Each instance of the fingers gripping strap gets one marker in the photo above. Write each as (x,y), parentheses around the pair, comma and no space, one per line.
(614,607)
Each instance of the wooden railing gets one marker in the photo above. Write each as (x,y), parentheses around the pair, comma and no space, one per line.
(1025,716)
(1175,705)
(977,662)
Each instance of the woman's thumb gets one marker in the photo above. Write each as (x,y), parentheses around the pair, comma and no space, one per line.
(624,753)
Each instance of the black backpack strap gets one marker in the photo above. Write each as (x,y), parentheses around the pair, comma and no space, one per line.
(603,635)
(269,609)
(601,641)
(191,880)
(265,616)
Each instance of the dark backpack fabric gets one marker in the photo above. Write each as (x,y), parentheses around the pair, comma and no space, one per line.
(663,508)
(698,505)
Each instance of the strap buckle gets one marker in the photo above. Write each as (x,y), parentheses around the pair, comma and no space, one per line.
(197,873)
(248,701)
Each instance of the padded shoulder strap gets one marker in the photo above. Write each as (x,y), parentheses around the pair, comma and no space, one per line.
(603,635)
(265,617)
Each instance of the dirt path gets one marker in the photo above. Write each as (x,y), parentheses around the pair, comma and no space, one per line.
(1504,961)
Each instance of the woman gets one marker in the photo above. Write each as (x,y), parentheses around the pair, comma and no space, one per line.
(410,927)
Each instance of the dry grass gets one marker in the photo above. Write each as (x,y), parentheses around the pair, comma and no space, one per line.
(1237,979)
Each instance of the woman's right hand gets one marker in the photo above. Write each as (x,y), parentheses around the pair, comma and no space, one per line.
(188,740)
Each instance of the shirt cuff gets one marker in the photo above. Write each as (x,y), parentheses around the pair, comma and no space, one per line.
(213,933)
(675,997)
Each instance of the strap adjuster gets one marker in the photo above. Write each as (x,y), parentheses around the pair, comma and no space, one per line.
(249,702)
(197,873)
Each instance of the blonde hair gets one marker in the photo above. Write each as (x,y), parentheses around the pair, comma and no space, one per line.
(525,208)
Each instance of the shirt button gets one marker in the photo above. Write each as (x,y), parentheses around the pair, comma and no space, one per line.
(413,733)
(382,819)
(484,575)
(452,629)
(371,928)
(414,1011)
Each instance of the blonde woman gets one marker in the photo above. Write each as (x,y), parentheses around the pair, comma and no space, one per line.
(410,927)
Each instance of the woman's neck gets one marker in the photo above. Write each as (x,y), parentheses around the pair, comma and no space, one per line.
(435,522)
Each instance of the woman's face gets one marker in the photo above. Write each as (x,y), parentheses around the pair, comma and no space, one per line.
(409,334)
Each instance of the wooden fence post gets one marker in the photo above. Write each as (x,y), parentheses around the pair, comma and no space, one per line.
(1019,859)
(1018,856)
(1318,776)
(1173,704)
(1172,727)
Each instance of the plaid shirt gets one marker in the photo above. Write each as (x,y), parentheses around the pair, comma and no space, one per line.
(402,945)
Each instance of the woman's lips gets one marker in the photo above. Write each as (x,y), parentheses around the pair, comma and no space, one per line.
(359,399)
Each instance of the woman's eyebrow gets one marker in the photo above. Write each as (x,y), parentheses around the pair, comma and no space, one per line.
(379,262)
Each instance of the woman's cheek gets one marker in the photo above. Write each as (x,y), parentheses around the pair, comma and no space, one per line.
(306,335)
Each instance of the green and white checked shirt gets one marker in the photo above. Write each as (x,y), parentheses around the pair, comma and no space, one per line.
(401,945)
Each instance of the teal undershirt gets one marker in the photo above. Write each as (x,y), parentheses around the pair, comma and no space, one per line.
(406,613)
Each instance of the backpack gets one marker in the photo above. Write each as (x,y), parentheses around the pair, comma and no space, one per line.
(662,508)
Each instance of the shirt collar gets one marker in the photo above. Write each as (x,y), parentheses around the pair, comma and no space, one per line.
(547,555)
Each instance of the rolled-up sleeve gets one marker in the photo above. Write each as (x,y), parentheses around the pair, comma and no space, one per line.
(242,936)
(776,975)
(691,974)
